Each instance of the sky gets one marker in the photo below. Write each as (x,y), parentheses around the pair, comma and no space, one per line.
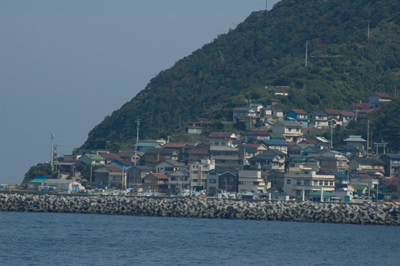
(66,64)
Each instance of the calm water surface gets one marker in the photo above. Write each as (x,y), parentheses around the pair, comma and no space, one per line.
(84,239)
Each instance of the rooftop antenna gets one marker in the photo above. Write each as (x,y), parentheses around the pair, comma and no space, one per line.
(233,24)
(306,52)
(52,152)
(266,5)
(137,138)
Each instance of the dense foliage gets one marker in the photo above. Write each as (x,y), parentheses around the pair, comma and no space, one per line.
(41,169)
(264,53)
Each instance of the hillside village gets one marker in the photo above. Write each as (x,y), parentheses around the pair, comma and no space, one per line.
(274,160)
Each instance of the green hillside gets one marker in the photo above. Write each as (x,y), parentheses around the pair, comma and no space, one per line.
(266,52)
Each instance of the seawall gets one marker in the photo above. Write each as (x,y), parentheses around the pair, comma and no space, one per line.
(371,213)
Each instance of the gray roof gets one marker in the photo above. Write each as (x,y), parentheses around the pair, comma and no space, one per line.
(287,123)
(392,156)
(354,138)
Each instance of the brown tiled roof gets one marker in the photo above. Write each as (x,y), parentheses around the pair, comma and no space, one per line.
(360,105)
(114,167)
(124,162)
(383,95)
(110,156)
(364,111)
(160,176)
(254,145)
(299,111)
(347,113)
(332,112)
(173,145)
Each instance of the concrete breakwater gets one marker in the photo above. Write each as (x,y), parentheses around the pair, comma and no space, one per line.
(371,213)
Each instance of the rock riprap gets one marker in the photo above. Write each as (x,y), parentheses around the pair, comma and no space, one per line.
(369,213)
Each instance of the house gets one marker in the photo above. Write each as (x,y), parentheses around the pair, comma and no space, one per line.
(195,127)
(256,135)
(277,113)
(243,113)
(224,155)
(356,107)
(346,117)
(275,177)
(35,183)
(341,180)
(322,143)
(136,173)
(289,129)
(178,180)
(333,115)
(279,145)
(392,164)
(348,150)
(145,145)
(252,181)
(378,99)
(64,185)
(333,161)
(229,181)
(109,157)
(359,164)
(267,162)
(198,173)
(299,150)
(298,115)
(129,156)
(307,180)
(318,119)
(110,174)
(356,141)
(169,166)
(154,156)
(248,150)
(94,159)
(196,154)
(363,113)
(327,196)
(223,138)
(213,180)
(272,102)
(155,182)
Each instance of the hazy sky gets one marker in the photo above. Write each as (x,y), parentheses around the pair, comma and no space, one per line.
(65,65)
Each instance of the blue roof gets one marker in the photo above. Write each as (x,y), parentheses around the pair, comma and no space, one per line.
(344,147)
(340,175)
(275,142)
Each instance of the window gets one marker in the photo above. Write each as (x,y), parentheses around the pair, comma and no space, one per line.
(256,183)
(321,183)
(315,182)
(117,178)
(212,181)
(298,181)
(326,183)
(223,143)
(216,143)
(306,173)
(288,181)
(289,129)
(195,180)
(331,183)
(241,183)
(231,179)
(173,178)
(195,172)
(306,182)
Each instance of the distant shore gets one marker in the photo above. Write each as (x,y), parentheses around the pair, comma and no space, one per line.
(369,213)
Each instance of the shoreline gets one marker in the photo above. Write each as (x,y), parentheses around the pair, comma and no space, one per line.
(318,212)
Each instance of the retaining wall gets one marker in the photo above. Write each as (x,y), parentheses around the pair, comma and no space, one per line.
(371,213)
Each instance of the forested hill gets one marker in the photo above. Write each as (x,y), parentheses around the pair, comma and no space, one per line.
(266,51)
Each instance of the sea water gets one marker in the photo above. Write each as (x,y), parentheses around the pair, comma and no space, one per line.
(86,239)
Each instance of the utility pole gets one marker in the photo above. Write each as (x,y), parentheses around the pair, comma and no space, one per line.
(250,114)
(266,5)
(52,154)
(367,136)
(137,138)
(331,126)
(306,53)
